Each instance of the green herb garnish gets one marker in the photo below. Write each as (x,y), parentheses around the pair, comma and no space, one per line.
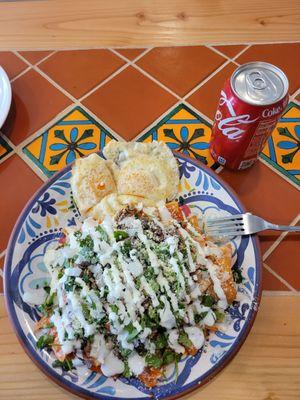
(120,235)
(65,365)
(208,301)
(45,341)
(103,234)
(184,340)
(154,360)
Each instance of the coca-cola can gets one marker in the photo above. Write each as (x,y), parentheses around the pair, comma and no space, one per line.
(250,105)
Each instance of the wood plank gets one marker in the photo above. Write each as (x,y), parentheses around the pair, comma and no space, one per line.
(56,24)
(266,368)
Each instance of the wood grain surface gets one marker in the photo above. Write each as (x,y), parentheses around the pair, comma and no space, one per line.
(266,368)
(54,24)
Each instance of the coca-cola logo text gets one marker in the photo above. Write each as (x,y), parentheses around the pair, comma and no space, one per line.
(270,112)
(234,126)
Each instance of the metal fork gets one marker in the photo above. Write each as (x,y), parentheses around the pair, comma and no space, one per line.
(242,224)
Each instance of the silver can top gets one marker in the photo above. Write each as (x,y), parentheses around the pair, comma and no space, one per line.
(259,83)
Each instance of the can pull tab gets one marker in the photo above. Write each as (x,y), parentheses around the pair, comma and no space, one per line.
(256,80)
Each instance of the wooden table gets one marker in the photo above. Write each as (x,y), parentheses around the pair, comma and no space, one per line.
(268,365)
(53,24)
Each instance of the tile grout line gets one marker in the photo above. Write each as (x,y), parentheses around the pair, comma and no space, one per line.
(149,76)
(20,74)
(29,65)
(149,127)
(229,60)
(295,94)
(217,52)
(241,52)
(127,59)
(33,167)
(109,78)
(276,171)
(46,58)
(273,293)
(205,80)
(11,153)
(7,156)
(296,101)
(44,127)
(279,277)
(279,239)
(50,80)
(138,68)
(100,121)
(204,116)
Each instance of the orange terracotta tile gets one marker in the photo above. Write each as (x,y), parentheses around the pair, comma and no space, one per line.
(2,263)
(181,68)
(230,50)
(12,64)
(34,56)
(270,282)
(285,259)
(264,193)
(1,284)
(129,102)
(80,71)
(206,98)
(23,183)
(286,56)
(131,54)
(36,101)
(267,238)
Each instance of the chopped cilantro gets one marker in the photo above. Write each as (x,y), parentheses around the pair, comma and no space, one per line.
(124,352)
(120,235)
(45,341)
(126,247)
(170,356)
(103,234)
(132,332)
(154,360)
(161,341)
(86,312)
(65,365)
(184,340)
(114,308)
(237,275)
(86,276)
(208,301)
(127,373)
(47,289)
(219,315)
(199,317)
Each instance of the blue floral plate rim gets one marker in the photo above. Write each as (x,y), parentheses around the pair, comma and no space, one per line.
(68,385)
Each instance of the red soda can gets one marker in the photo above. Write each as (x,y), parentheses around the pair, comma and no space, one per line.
(250,105)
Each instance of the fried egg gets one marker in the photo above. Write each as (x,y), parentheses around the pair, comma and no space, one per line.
(148,170)
(91,181)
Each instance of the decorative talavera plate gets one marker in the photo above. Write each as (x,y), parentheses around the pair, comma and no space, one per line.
(40,223)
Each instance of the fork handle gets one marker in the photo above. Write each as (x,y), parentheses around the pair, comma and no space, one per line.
(283,228)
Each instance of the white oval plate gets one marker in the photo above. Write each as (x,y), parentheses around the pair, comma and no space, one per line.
(5,96)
